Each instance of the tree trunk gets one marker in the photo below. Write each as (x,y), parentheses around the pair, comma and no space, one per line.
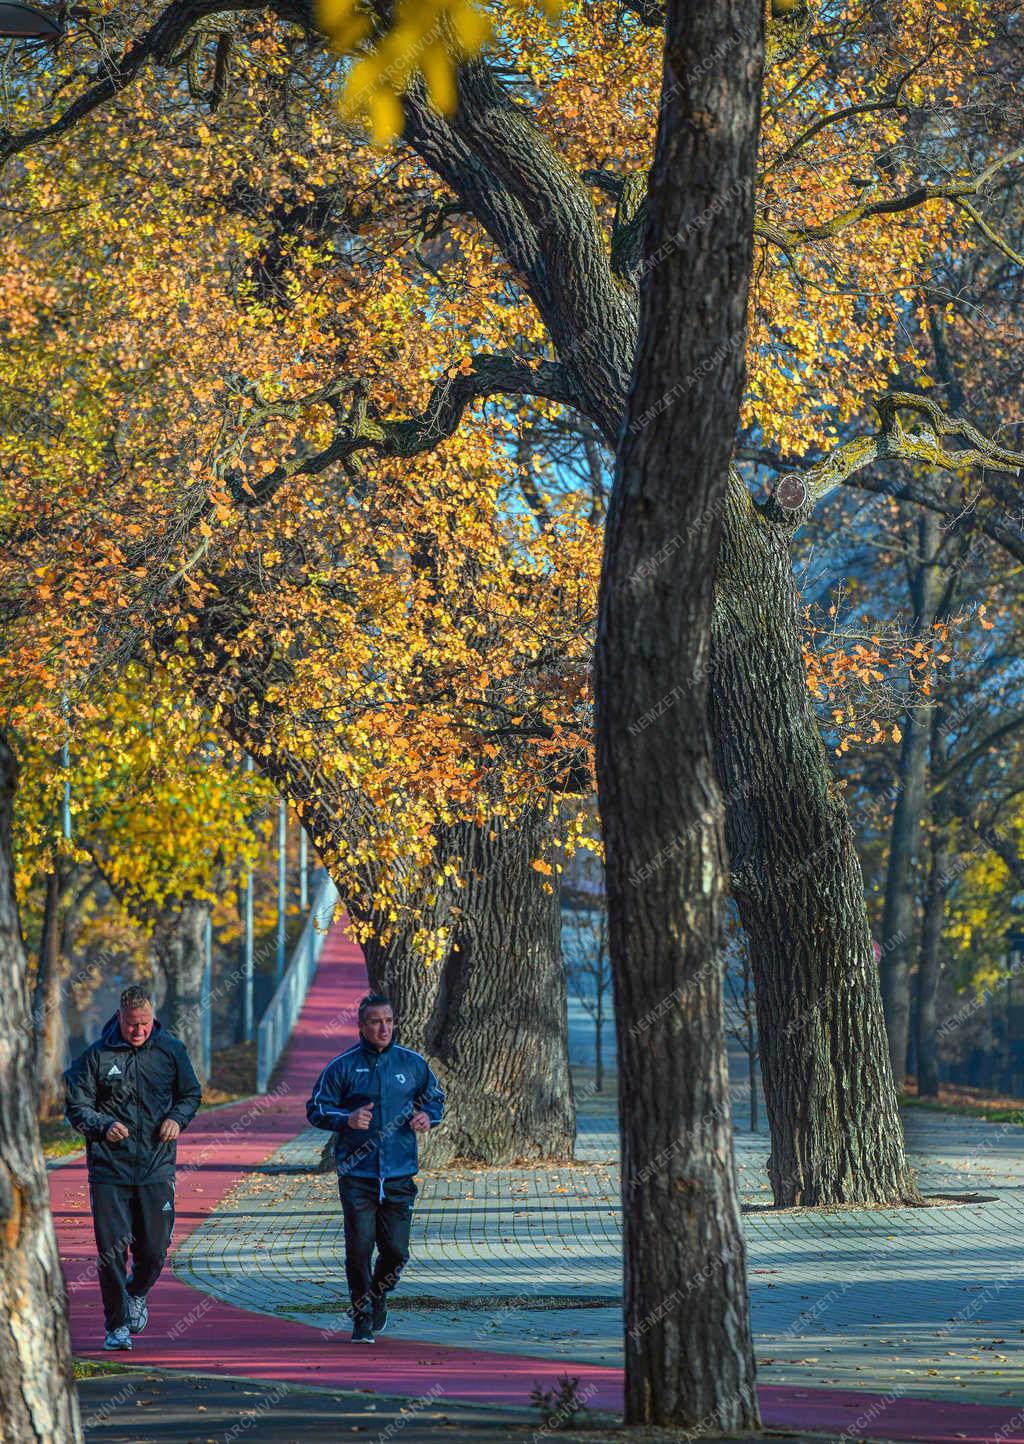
(929,968)
(832,1110)
(179,940)
(491,1017)
(37,1390)
(929,965)
(48,1006)
(689,1357)
(752,1066)
(899,914)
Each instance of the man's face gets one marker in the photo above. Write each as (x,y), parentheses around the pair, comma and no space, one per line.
(377,1026)
(136,1024)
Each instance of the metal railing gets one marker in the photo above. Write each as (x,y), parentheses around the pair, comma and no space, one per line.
(275,1027)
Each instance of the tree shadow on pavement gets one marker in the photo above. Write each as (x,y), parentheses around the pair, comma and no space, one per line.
(139,1406)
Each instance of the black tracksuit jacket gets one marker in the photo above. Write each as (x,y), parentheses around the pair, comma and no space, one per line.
(112,1082)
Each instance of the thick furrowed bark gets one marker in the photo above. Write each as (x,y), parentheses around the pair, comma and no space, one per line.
(500,1020)
(38,1404)
(688,1348)
(689,1358)
(835,1127)
(48,1005)
(491,1016)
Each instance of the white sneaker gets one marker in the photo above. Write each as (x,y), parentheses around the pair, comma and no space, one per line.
(118,1338)
(138,1313)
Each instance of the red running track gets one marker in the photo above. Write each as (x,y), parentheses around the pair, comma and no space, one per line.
(190,1331)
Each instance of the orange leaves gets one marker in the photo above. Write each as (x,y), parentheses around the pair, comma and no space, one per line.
(869,679)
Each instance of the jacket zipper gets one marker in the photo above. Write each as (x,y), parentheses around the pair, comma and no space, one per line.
(380,1125)
(138,1111)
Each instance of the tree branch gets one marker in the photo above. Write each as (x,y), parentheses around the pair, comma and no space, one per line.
(591,313)
(970,755)
(790,237)
(796,494)
(358,430)
(916,490)
(479,190)
(991,234)
(158,44)
(355,430)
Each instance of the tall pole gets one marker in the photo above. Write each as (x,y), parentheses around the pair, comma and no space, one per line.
(206,997)
(282,880)
(65,827)
(303,871)
(65,805)
(247,947)
(65,762)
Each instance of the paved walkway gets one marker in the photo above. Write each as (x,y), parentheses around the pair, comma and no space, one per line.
(859,1315)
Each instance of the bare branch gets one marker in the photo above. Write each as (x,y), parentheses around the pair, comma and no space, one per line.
(990,234)
(797,493)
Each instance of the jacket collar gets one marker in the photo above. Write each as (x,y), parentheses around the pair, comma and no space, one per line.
(110,1037)
(370,1052)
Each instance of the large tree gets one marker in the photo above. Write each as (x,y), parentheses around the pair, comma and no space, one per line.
(689,1353)
(38,1401)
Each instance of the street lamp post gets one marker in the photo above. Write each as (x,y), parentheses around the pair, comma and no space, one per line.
(282,878)
(247,945)
(1015,957)
(25,22)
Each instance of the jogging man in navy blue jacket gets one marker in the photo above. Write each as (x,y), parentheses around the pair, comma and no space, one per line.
(376,1096)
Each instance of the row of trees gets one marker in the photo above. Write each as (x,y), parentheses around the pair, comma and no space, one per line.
(127,848)
(313,435)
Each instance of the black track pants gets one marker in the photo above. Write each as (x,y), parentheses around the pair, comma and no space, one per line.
(140,1218)
(370,1221)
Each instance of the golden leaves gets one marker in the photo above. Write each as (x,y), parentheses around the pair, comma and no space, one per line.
(428,37)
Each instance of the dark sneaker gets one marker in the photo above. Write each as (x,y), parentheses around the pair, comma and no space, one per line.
(362,1330)
(138,1313)
(380,1315)
(118,1338)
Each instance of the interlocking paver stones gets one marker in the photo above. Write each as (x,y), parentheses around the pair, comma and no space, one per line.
(919,1301)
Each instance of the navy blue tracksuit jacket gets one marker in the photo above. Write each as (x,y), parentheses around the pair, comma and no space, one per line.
(398,1082)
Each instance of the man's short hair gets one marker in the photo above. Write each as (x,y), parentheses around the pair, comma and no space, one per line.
(373,1000)
(135,997)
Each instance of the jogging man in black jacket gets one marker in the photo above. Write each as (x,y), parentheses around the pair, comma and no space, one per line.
(131,1093)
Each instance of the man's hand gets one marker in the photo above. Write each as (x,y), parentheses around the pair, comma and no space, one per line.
(169,1130)
(115,1133)
(420,1121)
(361,1117)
